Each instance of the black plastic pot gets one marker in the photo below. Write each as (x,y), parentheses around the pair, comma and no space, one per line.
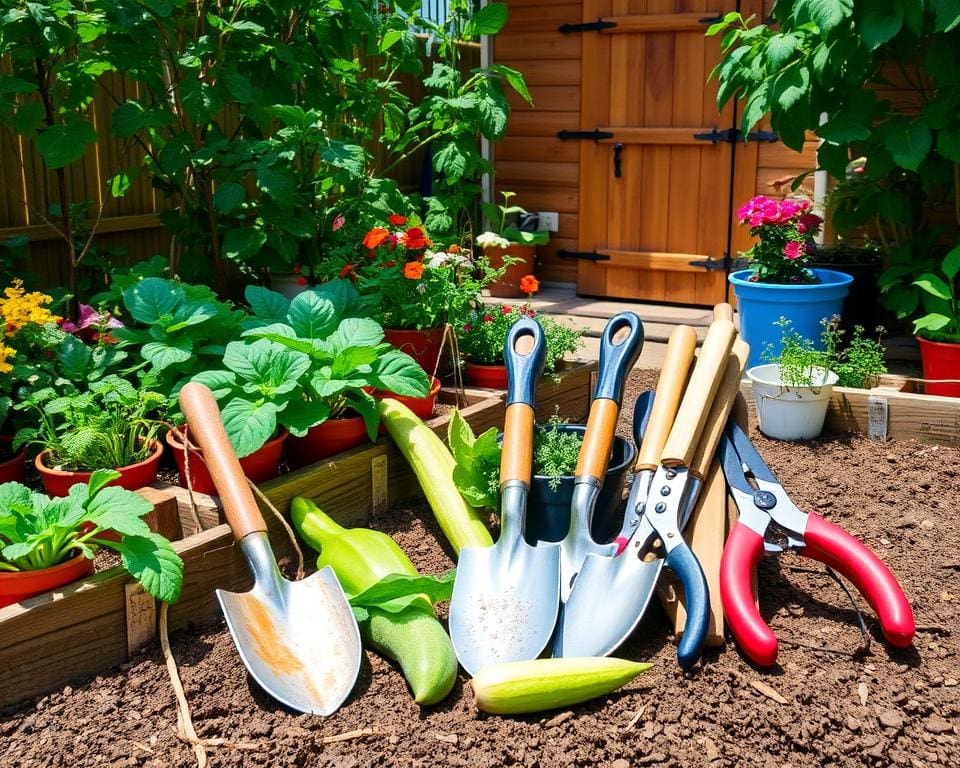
(548,510)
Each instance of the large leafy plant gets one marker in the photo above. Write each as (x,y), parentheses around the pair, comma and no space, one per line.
(827,66)
(113,424)
(38,532)
(305,360)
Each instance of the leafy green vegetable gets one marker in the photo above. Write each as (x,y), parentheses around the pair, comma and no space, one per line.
(398,591)
(477,470)
(37,532)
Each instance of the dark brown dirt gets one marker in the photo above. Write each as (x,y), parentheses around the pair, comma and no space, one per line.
(891,707)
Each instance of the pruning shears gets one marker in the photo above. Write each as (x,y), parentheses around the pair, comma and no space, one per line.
(766,510)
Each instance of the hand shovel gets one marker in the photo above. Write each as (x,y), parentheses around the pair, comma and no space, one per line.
(299,640)
(506,597)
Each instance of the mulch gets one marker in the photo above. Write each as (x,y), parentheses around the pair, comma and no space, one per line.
(889,707)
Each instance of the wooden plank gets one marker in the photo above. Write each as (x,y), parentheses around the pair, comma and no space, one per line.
(659,22)
(664,135)
(539,46)
(552,98)
(654,260)
(107,224)
(538,149)
(547,174)
(541,123)
(544,16)
(557,72)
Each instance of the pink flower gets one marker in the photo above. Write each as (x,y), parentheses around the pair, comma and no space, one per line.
(467,327)
(338,222)
(793,250)
(807,222)
(788,209)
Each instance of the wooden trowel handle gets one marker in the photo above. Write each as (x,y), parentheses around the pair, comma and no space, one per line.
(673,378)
(203,416)
(698,398)
(723,311)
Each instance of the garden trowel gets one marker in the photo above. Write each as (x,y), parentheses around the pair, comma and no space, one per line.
(298,639)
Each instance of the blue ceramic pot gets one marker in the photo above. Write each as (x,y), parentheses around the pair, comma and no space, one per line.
(806,306)
(548,509)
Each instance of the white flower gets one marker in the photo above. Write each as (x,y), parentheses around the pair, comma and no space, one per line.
(421,288)
(492,240)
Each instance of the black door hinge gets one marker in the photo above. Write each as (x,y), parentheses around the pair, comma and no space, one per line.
(589,26)
(733,135)
(583,255)
(589,135)
(726,264)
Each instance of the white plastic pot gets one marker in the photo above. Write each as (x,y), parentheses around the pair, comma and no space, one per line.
(791,412)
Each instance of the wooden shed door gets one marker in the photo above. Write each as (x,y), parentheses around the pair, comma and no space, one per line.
(655,195)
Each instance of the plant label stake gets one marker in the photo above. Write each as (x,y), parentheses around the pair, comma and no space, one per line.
(299,640)
(506,597)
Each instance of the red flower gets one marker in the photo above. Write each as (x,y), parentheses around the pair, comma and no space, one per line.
(296,269)
(529,284)
(531,313)
(338,222)
(391,263)
(467,328)
(301,280)
(375,237)
(413,270)
(396,220)
(415,239)
(347,269)
(488,318)
(506,309)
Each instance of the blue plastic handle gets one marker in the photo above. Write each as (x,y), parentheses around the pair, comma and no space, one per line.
(685,565)
(641,415)
(618,357)
(524,362)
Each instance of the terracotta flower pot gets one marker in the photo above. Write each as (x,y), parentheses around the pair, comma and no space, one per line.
(424,345)
(941,360)
(486,375)
(508,286)
(331,437)
(15,587)
(57,482)
(421,406)
(13,470)
(261,465)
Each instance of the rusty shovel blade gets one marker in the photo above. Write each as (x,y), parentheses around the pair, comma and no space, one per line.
(298,639)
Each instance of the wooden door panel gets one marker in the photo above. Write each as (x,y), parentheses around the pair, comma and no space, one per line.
(670,206)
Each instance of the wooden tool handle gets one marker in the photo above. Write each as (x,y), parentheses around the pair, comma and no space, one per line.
(670,386)
(598,439)
(723,311)
(516,455)
(698,398)
(722,405)
(203,416)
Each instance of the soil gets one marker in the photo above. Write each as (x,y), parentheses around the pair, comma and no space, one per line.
(887,707)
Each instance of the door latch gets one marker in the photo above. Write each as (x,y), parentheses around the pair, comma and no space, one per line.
(617,160)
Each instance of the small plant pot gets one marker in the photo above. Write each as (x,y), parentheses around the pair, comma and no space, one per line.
(790,412)
(421,406)
(424,345)
(508,286)
(15,587)
(548,509)
(13,470)
(486,375)
(941,360)
(327,439)
(57,482)
(260,466)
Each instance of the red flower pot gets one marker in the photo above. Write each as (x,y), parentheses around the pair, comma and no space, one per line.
(15,587)
(15,469)
(425,345)
(261,465)
(940,361)
(421,406)
(488,376)
(57,482)
(508,286)
(331,437)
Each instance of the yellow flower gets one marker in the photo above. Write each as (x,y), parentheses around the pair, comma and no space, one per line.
(20,308)
(6,355)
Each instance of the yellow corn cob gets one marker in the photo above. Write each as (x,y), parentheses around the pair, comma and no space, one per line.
(533,686)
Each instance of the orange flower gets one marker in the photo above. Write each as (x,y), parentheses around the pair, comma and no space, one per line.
(413,270)
(414,239)
(453,248)
(396,220)
(529,284)
(375,237)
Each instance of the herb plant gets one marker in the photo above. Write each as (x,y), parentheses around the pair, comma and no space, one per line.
(113,424)
(503,217)
(37,532)
(555,451)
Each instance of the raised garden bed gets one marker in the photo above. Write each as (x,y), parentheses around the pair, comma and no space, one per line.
(95,624)
(890,707)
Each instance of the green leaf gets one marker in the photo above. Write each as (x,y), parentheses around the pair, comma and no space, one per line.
(163,354)
(779,49)
(249,425)
(756,107)
(151,299)
(515,79)
(947,14)
(909,144)
(190,314)
(229,196)
(842,130)
(390,39)
(951,263)
(352,359)
(355,332)
(300,415)
(790,87)
(829,14)
(152,561)
(398,372)
(60,145)
(932,322)
(879,27)
(312,315)
(74,358)
(488,20)
(269,306)
(99,480)
(121,183)
(948,143)
(220,383)
(934,285)
(278,182)
(241,244)
(350,157)
(118,509)
(396,591)
(127,119)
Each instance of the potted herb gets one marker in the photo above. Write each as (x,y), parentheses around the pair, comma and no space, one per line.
(509,247)
(780,281)
(793,389)
(324,396)
(482,336)
(112,425)
(46,543)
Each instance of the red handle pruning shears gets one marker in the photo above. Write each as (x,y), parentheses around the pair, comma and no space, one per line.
(764,506)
